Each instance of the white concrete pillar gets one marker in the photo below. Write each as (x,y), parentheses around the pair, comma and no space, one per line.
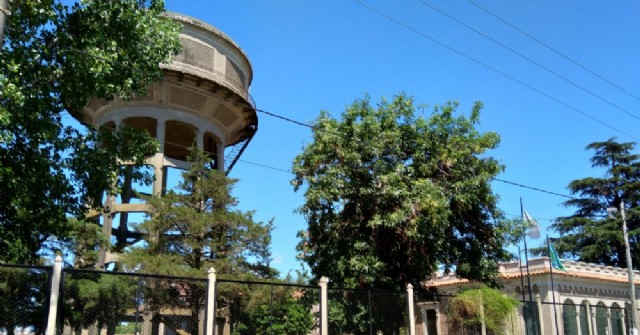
(53,298)
(220,156)
(161,129)
(578,312)
(147,323)
(540,315)
(107,224)
(590,322)
(211,303)
(324,306)
(608,321)
(158,174)
(200,138)
(423,313)
(158,160)
(412,318)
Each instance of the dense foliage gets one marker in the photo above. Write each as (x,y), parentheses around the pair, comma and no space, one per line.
(196,227)
(390,196)
(287,316)
(54,59)
(488,306)
(590,234)
(23,300)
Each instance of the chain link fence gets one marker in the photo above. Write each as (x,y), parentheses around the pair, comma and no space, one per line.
(367,312)
(24,304)
(89,302)
(109,303)
(250,308)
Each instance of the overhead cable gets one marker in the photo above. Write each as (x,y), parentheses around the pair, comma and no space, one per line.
(530,60)
(554,50)
(547,95)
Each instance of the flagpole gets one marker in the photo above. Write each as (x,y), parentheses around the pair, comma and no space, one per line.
(526,252)
(553,287)
(521,274)
(526,256)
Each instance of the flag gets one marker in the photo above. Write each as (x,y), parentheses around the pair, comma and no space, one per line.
(533,230)
(555,260)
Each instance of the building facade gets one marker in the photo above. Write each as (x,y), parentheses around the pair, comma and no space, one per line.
(586,299)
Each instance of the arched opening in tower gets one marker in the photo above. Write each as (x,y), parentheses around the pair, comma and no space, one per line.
(179,138)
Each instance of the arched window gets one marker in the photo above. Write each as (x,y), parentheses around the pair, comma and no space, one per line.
(602,321)
(569,320)
(616,320)
(584,322)
(627,315)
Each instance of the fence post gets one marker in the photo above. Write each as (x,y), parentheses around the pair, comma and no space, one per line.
(324,306)
(211,302)
(53,298)
(412,317)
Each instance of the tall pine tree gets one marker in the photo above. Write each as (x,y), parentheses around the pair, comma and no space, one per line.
(197,227)
(590,235)
(194,228)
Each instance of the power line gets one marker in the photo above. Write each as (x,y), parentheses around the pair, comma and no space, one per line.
(327,131)
(496,179)
(286,119)
(409,28)
(532,61)
(534,188)
(556,51)
(547,95)
(264,166)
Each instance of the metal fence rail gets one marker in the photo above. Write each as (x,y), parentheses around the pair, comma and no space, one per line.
(41,300)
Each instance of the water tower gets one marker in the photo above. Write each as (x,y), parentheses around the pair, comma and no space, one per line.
(203,98)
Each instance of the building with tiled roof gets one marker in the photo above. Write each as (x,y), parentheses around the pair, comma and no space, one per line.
(586,299)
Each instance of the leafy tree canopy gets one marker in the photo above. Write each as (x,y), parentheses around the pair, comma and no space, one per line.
(54,59)
(391,195)
(488,306)
(590,234)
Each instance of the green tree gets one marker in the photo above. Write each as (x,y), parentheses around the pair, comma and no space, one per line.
(93,299)
(282,312)
(197,227)
(472,307)
(23,298)
(54,59)
(590,235)
(391,196)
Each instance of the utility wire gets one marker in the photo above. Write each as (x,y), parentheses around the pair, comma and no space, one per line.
(532,61)
(264,166)
(554,50)
(534,188)
(547,95)
(286,119)
(324,130)
(413,30)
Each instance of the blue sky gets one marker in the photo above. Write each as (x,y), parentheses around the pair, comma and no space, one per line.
(309,56)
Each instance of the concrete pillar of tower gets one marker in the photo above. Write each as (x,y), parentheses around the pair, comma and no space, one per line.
(220,157)
(199,133)
(159,182)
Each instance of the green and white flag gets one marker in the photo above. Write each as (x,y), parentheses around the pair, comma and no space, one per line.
(555,260)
